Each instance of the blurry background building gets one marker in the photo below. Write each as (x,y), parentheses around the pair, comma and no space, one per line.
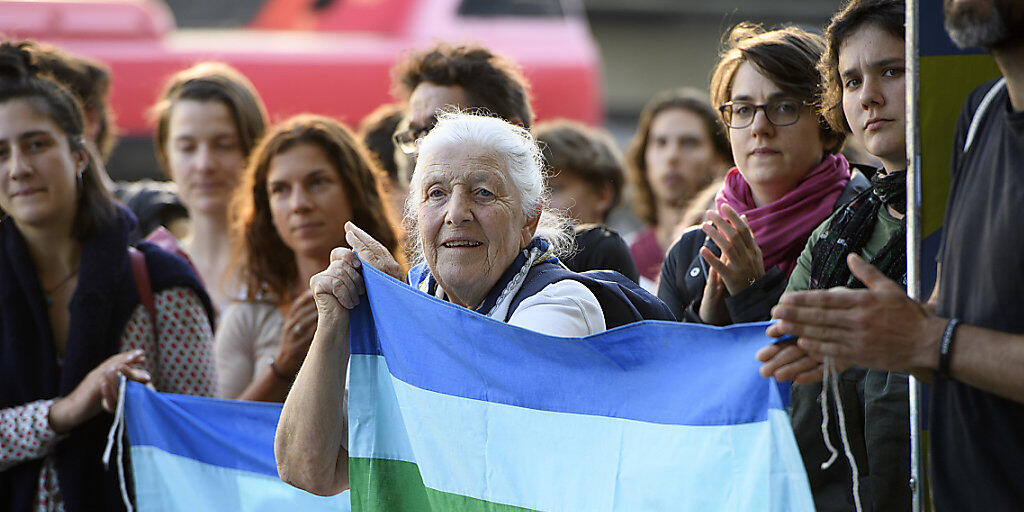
(650,45)
(645,45)
(597,61)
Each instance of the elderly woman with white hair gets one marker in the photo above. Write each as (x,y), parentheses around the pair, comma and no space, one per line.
(480,230)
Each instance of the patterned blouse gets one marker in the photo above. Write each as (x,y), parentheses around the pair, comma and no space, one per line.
(181,362)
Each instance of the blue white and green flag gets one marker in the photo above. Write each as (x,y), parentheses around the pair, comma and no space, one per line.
(453,411)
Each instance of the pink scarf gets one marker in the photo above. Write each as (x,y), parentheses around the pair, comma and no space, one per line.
(782,227)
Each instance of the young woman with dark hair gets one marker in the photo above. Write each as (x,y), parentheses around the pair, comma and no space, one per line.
(306,180)
(71,316)
(154,203)
(209,118)
(863,95)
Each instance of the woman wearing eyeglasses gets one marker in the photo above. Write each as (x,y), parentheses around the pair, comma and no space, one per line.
(788,177)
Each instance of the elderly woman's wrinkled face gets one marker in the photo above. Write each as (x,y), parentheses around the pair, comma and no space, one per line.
(470,218)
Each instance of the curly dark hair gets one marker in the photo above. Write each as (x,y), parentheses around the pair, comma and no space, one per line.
(268,265)
(492,82)
(211,81)
(690,100)
(889,15)
(787,56)
(23,78)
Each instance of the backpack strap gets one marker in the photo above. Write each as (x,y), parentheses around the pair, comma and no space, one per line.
(622,301)
(538,278)
(163,239)
(141,274)
(858,183)
(980,113)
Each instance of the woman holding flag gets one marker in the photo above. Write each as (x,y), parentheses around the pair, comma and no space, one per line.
(73,307)
(477,217)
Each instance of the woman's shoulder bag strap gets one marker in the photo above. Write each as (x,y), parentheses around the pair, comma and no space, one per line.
(141,274)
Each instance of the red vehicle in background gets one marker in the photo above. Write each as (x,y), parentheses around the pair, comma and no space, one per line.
(323,56)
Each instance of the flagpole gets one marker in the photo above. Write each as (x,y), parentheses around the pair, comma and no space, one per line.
(913,219)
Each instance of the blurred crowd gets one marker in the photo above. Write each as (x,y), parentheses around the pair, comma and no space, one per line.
(233,278)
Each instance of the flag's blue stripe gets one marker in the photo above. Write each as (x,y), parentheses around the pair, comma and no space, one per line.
(228,433)
(170,483)
(557,461)
(663,372)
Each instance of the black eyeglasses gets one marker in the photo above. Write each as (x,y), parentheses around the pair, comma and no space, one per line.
(407,139)
(783,112)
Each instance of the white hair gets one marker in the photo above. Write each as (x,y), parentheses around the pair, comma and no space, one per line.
(524,164)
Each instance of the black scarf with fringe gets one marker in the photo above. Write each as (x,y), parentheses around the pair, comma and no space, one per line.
(849,230)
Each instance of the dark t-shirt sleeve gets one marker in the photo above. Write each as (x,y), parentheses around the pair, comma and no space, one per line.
(668,290)
(755,302)
(153,203)
(963,123)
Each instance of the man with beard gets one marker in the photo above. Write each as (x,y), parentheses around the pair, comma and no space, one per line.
(969,341)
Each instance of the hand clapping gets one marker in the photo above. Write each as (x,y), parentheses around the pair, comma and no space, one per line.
(741,262)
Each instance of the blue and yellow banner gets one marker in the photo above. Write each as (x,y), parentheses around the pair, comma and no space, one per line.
(947,75)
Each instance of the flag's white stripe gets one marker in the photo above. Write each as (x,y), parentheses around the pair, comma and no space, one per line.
(559,461)
(165,482)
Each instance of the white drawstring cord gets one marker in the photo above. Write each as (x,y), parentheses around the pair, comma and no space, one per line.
(823,400)
(830,383)
(117,432)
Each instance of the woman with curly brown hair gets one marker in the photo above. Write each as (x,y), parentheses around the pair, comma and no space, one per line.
(863,95)
(679,147)
(306,180)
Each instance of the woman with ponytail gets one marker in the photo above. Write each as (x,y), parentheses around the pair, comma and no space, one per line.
(72,318)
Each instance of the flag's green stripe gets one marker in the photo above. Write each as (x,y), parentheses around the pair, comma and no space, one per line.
(396,486)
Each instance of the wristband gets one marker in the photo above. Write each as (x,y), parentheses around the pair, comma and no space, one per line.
(278,373)
(946,347)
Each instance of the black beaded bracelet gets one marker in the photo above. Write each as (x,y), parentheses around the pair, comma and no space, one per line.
(946,347)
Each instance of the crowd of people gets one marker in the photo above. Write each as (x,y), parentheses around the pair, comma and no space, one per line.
(234,278)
